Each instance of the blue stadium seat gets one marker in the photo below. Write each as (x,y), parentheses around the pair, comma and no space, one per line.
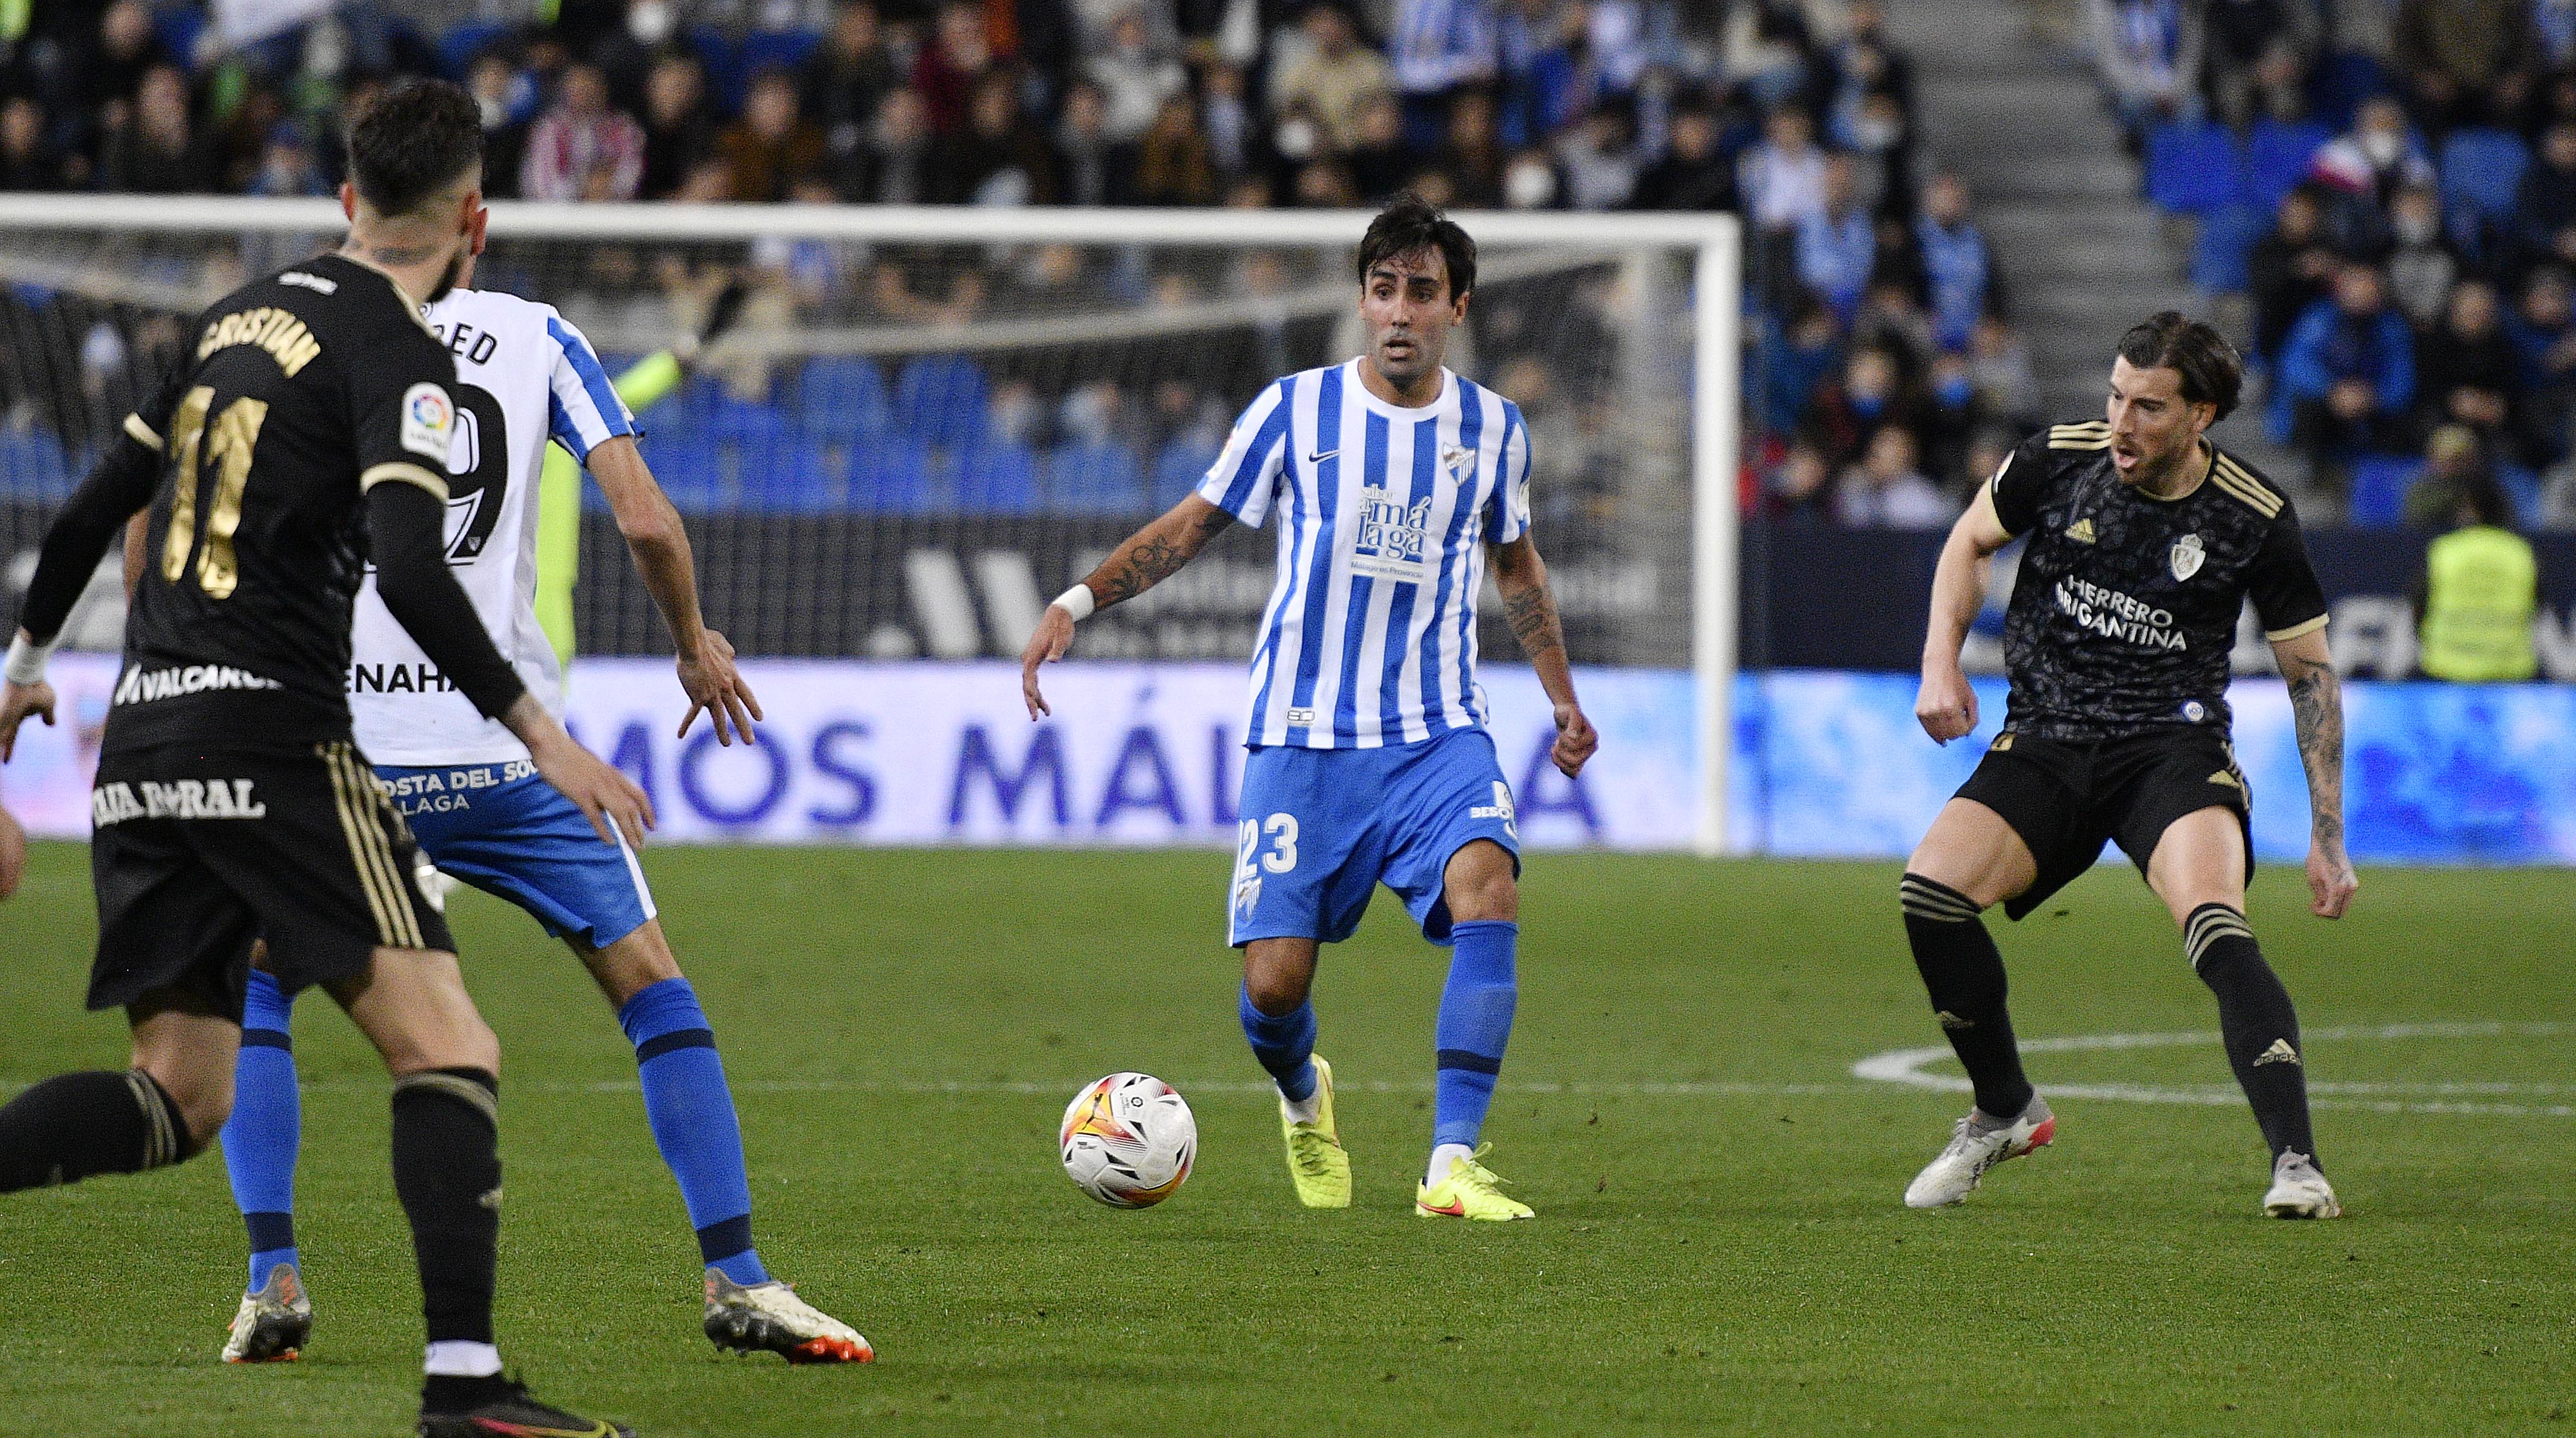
(2339,82)
(2194,168)
(745,421)
(787,474)
(722,60)
(178,28)
(463,44)
(941,400)
(892,477)
(841,397)
(690,469)
(33,467)
(1094,478)
(777,50)
(997,478)
(2481,170)
(1179,468)
(2220,255)
(685,412)
(2277,156)
(2379,485)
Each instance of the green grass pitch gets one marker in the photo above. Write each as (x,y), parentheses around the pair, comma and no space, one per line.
(1720,1245)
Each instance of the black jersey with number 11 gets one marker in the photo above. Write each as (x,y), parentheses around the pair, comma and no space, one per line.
(298,393)
(2125,607)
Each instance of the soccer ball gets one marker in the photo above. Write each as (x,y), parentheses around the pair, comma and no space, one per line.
(1129,1140)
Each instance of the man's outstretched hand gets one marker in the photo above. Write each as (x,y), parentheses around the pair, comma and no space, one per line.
(716,687)
(1054,636)
(17,701)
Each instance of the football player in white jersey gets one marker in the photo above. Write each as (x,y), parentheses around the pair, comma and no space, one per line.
(527,378)
(1394,481)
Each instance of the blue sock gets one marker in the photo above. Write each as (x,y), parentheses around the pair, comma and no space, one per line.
(691,1110)
(1284,1044)
(266,1127)
(1475,1024)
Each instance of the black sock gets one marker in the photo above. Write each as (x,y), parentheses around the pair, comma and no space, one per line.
(2255,1019)
(73,1126)
(1965,976)
(447,1172)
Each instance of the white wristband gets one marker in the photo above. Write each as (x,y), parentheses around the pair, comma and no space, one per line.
(27,661)
(1077,602)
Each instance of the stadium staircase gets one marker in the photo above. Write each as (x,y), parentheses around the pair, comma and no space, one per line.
(2008,102)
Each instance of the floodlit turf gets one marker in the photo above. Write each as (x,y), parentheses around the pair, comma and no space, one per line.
(1719,1246)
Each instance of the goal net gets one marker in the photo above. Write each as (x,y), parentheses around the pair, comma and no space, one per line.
(921,423)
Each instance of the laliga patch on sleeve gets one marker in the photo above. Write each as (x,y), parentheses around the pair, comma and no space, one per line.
(428,421)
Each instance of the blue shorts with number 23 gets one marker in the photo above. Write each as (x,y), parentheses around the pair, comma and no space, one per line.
(1322,828)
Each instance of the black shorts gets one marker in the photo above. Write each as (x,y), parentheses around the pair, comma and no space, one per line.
(2067,797)
(194,852)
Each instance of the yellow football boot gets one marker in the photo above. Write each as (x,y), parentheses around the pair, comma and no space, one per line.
(1317,1162)
(1470,1191)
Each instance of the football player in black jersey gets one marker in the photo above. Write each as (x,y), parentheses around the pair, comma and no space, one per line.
(306,431)
(2146,540)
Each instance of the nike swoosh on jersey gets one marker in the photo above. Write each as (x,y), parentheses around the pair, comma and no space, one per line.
(1320,458)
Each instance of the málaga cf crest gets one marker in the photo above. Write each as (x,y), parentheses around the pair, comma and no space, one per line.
(2187,555)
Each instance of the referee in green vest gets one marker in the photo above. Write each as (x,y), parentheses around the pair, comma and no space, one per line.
(2481,587)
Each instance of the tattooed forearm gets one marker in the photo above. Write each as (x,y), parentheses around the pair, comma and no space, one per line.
(1145,563)
(1156,553)
(1532,612)
(2316,707)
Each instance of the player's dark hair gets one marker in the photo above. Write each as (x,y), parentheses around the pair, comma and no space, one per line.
(412,142)
(1411,226)
(2211,370)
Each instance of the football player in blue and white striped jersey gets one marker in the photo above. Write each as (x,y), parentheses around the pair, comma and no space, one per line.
(1395,482)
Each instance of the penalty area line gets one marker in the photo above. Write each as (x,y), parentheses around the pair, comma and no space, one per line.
(1905,1068)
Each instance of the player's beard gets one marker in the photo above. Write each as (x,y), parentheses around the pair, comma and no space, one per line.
(447,279)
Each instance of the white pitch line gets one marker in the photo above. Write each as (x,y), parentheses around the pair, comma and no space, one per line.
(1029,1088)
(1905,1067)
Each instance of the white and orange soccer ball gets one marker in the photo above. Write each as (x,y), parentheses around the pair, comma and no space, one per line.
(1129,1140)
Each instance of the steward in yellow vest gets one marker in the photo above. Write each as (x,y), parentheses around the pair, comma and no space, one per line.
(2481,587)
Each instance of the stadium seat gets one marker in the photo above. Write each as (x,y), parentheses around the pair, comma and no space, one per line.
(941,400)
(32,467)
(787,474)
(178,28)
(2339,82)
(2277,156)
(1179,468)
(997,478)
(892,477)
(2379,485)
(722,59)
(841,397)
(690,469)
(464,43)
(777,50)
(1094,478)
(731,420)
(2194,168)
(2220,254)
(2481,170)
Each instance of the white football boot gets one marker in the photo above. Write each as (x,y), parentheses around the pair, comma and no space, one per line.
(2299,1189)
(272,1324)
(770,1317)
(1976,1146)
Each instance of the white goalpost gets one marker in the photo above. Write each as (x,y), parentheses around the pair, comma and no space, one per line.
(925,415)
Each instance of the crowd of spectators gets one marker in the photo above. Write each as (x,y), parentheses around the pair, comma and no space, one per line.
(1883,375)
(2406,241)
